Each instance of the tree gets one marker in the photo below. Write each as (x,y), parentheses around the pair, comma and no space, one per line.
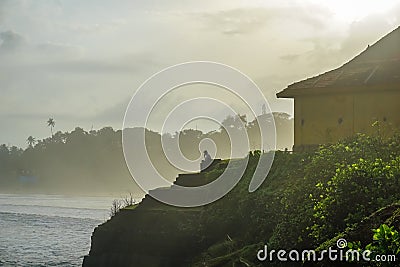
(51,123)
(31,141)
(238,122)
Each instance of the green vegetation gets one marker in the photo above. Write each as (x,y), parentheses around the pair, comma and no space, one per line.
(51,123)
(308,200)
(128,203)
(386,241)
(76,162)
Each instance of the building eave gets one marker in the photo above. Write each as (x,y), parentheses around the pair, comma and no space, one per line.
(293,93)
(378,65)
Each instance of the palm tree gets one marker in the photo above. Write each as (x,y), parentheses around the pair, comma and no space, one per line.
(51,123)
(31,141)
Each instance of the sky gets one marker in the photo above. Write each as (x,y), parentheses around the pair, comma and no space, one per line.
(80,62)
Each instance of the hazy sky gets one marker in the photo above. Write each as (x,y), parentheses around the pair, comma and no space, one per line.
(81,61)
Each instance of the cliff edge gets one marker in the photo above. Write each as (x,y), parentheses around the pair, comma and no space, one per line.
(153,233)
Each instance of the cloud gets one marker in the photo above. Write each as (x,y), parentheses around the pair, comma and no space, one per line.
(336,49)
(396,14)
(65,58)
(235,21)
(365,32)
(238,21)
(47,78)
(112,114)
(2,10)
(290,57)
(17,50)
(54,49)
(119,65)
(11,41)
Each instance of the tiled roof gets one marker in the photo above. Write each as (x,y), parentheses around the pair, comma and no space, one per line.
(378,64)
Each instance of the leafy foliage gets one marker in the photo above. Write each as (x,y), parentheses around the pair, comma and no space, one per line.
(385,246)
(386,241)
(308,198)
(363,179)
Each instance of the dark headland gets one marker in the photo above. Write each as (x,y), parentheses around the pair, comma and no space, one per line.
(292,209)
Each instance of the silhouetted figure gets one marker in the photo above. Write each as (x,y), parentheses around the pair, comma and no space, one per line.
(206,161)
(207,156)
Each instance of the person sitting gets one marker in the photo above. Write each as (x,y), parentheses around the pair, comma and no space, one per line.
(207,156)
(206,161)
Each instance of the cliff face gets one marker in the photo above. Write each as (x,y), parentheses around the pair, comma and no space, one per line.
(152,234)
(145,238)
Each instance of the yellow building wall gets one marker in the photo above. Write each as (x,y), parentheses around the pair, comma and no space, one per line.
(377,106)
(321,119)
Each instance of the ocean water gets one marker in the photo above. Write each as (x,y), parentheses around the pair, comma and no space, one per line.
(47,230)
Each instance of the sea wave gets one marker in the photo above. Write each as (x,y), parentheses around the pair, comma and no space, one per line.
(48,230)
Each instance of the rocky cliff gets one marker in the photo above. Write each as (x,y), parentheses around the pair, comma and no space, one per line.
(152,233)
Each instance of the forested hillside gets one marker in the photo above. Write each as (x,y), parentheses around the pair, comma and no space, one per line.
(92,162)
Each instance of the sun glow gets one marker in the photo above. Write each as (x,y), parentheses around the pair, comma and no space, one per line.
(357,9)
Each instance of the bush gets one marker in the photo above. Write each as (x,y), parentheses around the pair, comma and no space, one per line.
(386,241)
(353,193)
(117,204)
(336,186)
